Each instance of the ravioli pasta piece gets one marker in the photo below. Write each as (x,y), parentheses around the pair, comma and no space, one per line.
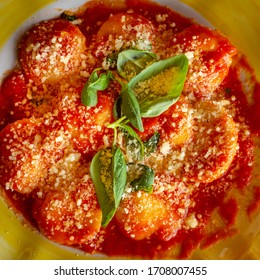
(22,167)
(210,55)
(209,150)
(69,217)
(51,50)
(141,214)
(214,144)
(124,31)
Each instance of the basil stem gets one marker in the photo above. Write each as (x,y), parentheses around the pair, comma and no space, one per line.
(145,181)
(122,123)
(155,104)
(94,83)
(131,62)
(108,172)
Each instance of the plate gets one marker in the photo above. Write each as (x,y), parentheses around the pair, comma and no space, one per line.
(238,19)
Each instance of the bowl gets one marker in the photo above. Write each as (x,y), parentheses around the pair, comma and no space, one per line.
(238,19)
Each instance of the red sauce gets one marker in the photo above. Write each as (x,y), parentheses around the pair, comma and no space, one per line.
(255,205)
(211,198)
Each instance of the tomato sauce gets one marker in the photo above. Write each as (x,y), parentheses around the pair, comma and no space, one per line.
(213,199)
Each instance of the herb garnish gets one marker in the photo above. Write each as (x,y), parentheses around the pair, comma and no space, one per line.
(155,104)
(108,172)
(138,98)
(131,62)
(145,180)
(131,108)
(68,16)
(151,144)
(95,83)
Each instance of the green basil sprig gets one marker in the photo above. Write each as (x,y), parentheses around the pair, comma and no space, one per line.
(95,83)
(108,168)
(108,172)
(132,106)
(152,107)
(145,180)
(131,62)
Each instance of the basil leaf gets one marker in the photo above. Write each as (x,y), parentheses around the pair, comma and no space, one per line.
(154,108)
(117,111)
(68,16)
(155,103)
(108,172)
(152,143)
(119,175)
(131,62)
(131,109)
(94,83)
(106,204)
(145,181)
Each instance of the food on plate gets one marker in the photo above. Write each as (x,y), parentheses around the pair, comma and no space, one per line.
(125,131)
